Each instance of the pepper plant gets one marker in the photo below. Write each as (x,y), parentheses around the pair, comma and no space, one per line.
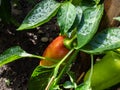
(78,21)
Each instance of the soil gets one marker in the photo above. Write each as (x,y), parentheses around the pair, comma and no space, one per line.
(15,75)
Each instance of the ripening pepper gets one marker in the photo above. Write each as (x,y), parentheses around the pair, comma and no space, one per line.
(55,50)
(106,72)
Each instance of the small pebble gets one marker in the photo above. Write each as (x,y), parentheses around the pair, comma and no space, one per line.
(50,39)
(44,39)
(40,32)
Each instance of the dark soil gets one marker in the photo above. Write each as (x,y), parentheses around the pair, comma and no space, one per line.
(15,75)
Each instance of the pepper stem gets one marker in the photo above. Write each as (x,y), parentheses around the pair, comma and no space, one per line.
(69,42)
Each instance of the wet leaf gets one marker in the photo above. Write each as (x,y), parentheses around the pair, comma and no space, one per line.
(12,54)
(40,14)
(66,16)
(89,25)
(108,39)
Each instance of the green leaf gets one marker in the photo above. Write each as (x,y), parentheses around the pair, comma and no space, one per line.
(84,86)
(87,4)
(68,85)
(79,13)
(40,14)
(89,25)
(97,1)
(66,17)
(15,53)
(12,54)
(108,39)
(40,78)
(71,83)
(62,69)
(76,21)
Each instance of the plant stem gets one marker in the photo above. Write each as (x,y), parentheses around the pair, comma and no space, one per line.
(69,43)
(91,68)
(58,65)
(53,78)
(65,69)
(40,57)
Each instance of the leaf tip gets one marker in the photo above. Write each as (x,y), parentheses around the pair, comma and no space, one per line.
(21,27)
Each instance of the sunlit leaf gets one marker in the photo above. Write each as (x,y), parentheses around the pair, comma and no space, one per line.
(71,83)
(66,16)
(40,14)
(68,85)
(89,25)
(76,21)
(108,39)
(13,53)
(84,86)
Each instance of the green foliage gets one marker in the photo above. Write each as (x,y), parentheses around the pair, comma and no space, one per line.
(15,53)
(40,14)
(89,25)
(78,21)
(65,17)
(84,86)
(71,83)
(40,78)
(108,39)
(12,54)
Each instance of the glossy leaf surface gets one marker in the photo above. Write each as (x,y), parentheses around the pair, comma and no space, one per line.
(76,21)
(108,39)
(66,16)
(40,78)
(40,14)
(12,54)
(15,53)
(89,25)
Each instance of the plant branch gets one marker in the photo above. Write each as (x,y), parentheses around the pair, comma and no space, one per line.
(56,70)
(67,66)
(41,57)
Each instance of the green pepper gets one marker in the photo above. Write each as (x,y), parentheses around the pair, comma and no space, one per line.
(106,72)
